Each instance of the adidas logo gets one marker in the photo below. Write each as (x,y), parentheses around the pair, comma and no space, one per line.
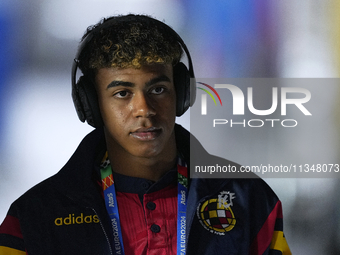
(71,219)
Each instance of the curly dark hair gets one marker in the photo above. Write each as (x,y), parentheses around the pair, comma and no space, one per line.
(129,41)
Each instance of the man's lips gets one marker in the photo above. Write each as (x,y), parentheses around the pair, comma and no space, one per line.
(146,134)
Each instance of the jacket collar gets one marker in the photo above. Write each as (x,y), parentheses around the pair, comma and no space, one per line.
(76,178)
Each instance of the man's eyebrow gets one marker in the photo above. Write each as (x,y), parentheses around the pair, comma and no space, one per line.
(160,78)
(119,83)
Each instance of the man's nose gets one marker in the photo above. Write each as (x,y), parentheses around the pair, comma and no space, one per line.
(142,106)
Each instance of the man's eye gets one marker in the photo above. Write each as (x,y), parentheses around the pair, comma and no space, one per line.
(157,90)
(121,94)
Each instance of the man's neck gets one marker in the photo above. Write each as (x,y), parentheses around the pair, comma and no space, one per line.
(150,168)
(143,168)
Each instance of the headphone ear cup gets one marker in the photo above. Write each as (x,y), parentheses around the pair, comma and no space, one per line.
(87,96)
(77,101)
(182,87)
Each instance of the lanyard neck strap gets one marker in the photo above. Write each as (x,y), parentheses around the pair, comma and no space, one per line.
(112,206)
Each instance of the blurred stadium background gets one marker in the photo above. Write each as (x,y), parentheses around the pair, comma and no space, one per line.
(39,128)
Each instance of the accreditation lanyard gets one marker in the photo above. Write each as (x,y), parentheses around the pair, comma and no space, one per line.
(112,207)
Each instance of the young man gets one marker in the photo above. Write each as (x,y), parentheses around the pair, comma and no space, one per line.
(126,188)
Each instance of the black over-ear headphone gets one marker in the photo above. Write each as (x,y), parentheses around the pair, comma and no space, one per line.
(84,94)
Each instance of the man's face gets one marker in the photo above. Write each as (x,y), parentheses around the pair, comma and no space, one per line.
(138,107)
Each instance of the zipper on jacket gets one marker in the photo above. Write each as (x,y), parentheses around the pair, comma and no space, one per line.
(101,224)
